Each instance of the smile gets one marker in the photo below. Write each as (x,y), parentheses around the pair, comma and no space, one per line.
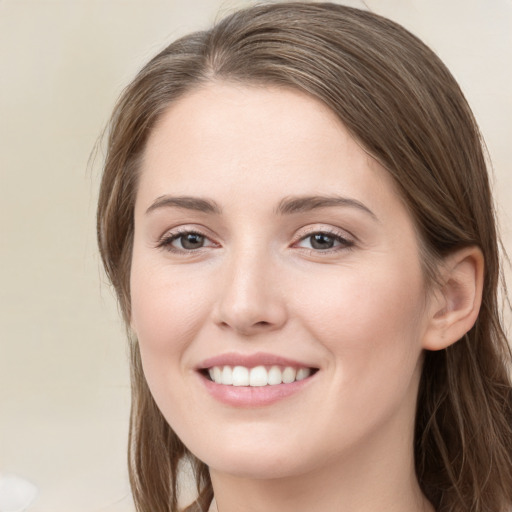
(254,380)
(257,376)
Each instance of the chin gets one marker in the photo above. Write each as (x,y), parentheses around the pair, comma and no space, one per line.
(253,462)
(255,469)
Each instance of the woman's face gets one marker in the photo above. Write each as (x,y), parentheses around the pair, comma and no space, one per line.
(266,239)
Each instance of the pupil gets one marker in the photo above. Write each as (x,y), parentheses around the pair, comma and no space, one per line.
(192,241)
(322,241)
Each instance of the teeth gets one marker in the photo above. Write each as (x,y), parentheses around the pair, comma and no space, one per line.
(258,376)
(227,375)
(275,376)
(240,376)
(303,373)
(289,375)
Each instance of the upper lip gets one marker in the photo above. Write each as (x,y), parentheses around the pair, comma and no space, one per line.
(250,361)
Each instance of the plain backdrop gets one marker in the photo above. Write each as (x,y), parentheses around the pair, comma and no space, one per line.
(64,392)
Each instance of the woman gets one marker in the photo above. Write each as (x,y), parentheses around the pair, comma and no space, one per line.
(296,216)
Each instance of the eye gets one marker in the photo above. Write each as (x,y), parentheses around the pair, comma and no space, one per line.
(189,241)
(185,241)
(324,241)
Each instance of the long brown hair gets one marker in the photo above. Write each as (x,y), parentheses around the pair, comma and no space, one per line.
(404,107)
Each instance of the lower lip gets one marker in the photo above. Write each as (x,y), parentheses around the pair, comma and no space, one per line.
(248,396)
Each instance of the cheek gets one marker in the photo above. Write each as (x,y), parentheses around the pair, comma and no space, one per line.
(371,323)
(167,309)
(371,298)
(165,305)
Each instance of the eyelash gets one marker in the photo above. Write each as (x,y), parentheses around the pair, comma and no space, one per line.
(167,240)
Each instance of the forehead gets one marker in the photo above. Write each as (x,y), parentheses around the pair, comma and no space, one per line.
(227,138)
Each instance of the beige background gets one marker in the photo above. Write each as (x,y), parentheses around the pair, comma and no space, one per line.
(63,372)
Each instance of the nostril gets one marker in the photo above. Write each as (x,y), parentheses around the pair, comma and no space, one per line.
(253,318)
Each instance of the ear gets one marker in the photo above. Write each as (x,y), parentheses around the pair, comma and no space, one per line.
(455,303)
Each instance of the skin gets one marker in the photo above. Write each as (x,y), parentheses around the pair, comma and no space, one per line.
(359,312)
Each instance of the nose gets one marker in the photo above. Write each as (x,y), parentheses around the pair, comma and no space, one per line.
(250,298)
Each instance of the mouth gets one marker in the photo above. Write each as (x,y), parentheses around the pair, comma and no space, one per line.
(254,380)
(256,376)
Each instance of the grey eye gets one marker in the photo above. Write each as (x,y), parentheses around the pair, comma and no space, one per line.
(322,241)
(190,241)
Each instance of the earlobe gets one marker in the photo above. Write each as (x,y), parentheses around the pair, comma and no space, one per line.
(455,305)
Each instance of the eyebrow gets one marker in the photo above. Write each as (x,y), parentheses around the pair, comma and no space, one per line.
(286,206)
(185,202)
(307,203)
